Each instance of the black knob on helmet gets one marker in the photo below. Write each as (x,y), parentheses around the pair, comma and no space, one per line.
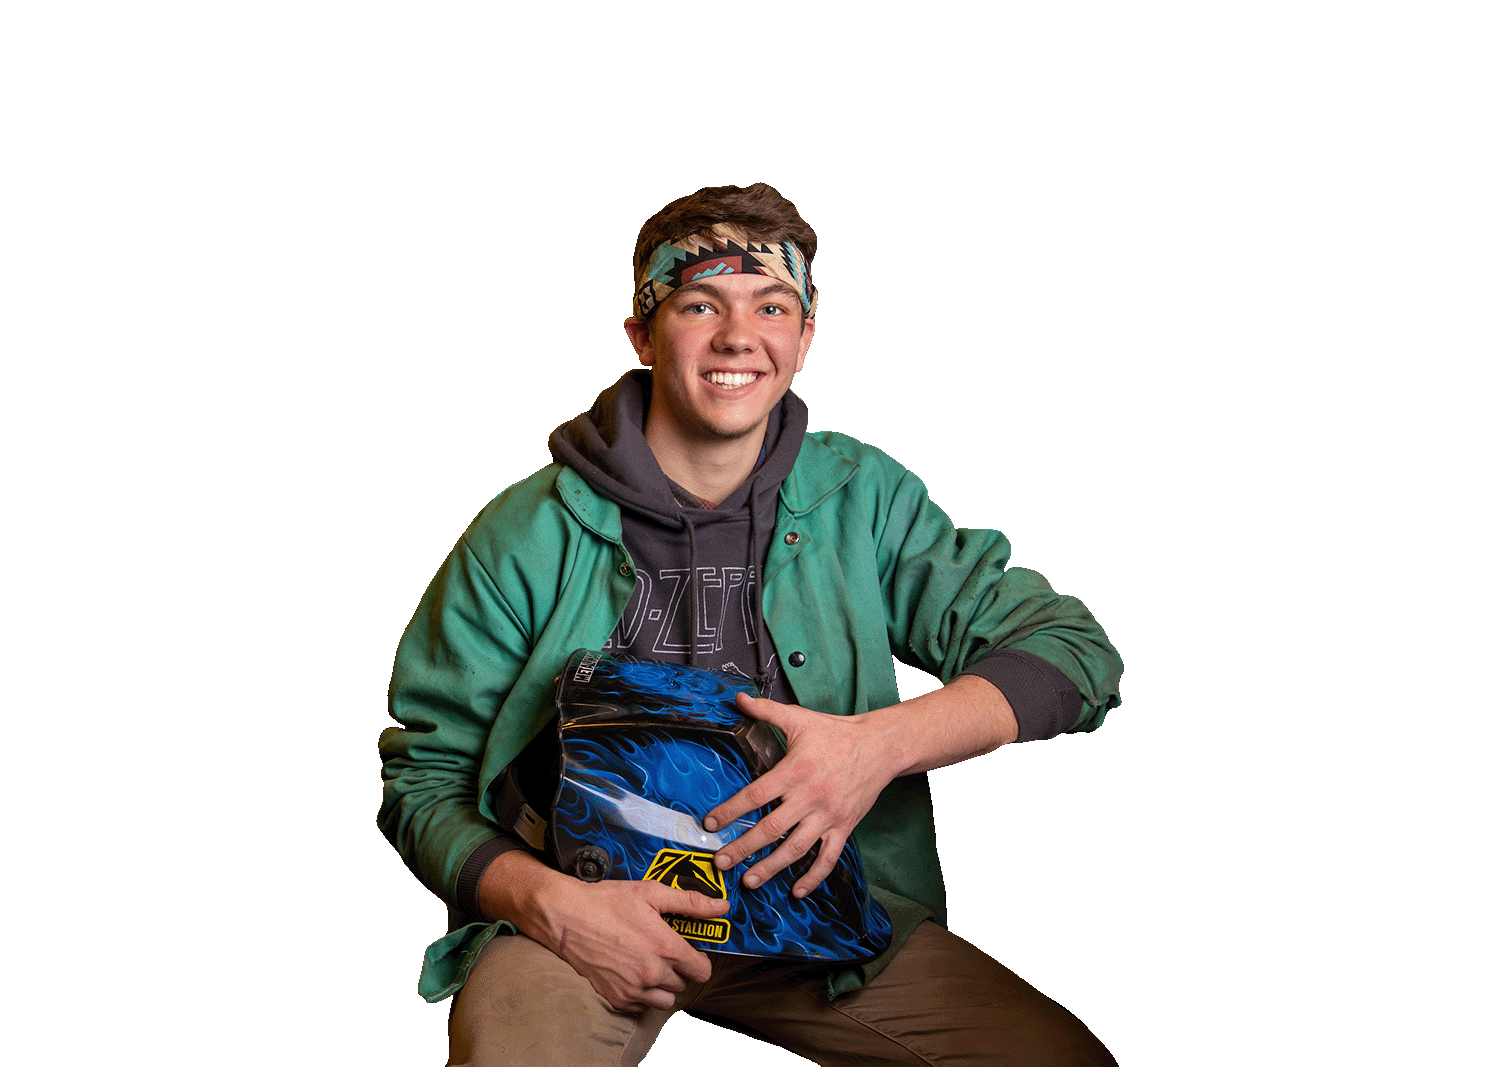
(591,864)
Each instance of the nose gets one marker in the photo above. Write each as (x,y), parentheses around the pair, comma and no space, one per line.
(736,331)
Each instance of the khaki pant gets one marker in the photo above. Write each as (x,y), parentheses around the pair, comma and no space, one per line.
(941,1001)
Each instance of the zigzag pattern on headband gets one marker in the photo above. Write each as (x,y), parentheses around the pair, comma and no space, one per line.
(724,249)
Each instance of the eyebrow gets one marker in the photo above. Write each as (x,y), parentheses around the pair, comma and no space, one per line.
(776,287)
(773,286)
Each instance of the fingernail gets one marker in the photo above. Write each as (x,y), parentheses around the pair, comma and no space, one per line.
(751,880)
(723,863)
(710,824)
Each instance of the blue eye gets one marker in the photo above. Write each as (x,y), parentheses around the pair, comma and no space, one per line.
(697,309)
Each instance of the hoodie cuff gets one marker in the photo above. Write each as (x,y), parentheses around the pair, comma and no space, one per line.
(474,868)
(1045,702)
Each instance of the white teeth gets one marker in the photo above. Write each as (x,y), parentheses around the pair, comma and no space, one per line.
(731,381)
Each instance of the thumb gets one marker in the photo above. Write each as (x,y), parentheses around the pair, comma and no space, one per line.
(762,708)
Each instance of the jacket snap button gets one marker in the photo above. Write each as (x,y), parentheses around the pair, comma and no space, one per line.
(793,537)
(625,569)
(796,659)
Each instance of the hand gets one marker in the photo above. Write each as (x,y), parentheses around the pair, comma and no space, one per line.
(612,933)
(831,775)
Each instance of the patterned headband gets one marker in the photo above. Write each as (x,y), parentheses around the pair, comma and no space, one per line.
(721,249)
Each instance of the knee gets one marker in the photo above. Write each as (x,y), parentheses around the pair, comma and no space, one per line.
(557,1027)
(517,1007)
(523,1005)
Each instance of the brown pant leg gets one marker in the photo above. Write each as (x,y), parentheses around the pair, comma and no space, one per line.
(941,1001)
(524,1007)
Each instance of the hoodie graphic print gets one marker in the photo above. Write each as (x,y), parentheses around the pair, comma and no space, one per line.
(659,617)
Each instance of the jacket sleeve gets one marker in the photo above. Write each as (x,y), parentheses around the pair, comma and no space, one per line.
(953,606)
(457,661)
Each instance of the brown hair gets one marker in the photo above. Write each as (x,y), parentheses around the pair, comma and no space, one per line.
(763,213)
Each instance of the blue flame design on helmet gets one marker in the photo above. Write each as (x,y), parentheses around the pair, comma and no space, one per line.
(649,748)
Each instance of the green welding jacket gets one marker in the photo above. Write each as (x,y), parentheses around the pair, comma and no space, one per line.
(862,566)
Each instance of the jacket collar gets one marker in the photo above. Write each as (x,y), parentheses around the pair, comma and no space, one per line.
(820,472)
(596,511)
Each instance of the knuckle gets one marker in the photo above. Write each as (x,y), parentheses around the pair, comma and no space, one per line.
(794,848)
(774,826)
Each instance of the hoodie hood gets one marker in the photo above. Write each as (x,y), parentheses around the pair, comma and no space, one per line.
(606,445)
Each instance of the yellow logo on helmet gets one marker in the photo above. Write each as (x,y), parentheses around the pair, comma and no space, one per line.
(693,871)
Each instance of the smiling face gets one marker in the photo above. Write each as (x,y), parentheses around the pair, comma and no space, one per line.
(722,352)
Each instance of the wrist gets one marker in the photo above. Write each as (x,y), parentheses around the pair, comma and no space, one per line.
(894,731)
(517,887)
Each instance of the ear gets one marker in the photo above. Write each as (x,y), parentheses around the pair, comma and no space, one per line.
(806,343)
(639,332)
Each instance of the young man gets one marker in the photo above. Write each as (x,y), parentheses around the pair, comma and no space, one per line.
(690,517)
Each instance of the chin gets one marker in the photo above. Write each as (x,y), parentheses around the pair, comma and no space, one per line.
(731,433)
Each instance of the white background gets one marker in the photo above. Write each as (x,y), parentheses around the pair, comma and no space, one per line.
(1195,301)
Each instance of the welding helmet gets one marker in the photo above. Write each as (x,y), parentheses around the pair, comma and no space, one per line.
(645,750)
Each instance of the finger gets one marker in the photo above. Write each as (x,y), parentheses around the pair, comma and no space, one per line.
(767,831)
(684,962)
(828,859)
(649,991)
(754,796)
(791,850)
(695,967)
(676,978)
(653,998)
(666,899)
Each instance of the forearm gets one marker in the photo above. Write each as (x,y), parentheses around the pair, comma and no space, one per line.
(965,718)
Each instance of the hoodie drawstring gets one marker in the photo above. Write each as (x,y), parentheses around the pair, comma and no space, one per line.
(693,587)
(762,675)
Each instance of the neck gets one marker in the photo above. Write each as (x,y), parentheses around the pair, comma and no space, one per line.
(710,470)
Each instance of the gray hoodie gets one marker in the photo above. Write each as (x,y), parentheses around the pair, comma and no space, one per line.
(697,593)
